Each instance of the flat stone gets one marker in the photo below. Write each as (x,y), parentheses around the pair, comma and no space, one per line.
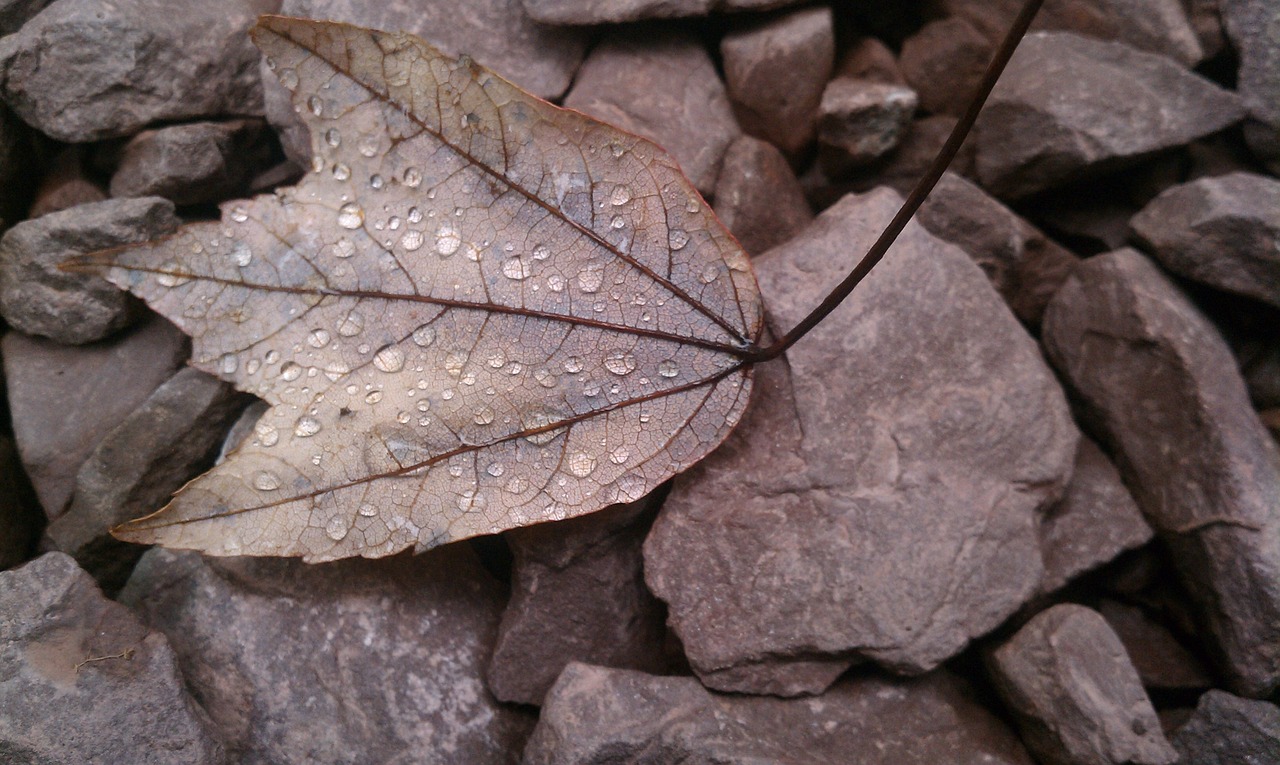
(776,70)
(1253,27)
(1052,118)
(136,467)
(666,89)
(1024,265)
(861,121)
(1077,698)
(353,661)
(20,518)
(189,164)
(38,299)
(64,400)
(1157,382)
(1222,231)
(85,70)
(1096,520)
(758,197)
(582,12)
(84,681)
(66,184)
(1229,730)
(577,594)
(943,63)
(595,715)
(1161,660)
(880,498)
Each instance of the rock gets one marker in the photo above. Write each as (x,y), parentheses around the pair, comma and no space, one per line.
(84,70)
(1229,730)
(191,164)
(581,12)
(65,184)
(1024,265)
(775,71)
(943,63)
(758,197)
(1089,226)
(38,299)
(136,467)
(1254,27)
(1076,696)
(354,661)
(860,122)
(1205,19)
(880,499)
(1222,231)
(20,519)
(1160,659)
(496,33)
(870,59)
(1052,118)
(665,89)
(15,13)
(1096,520)
(577,594)
(595,715)
(919,145)
(1156,380)
(64,400)
(85,681)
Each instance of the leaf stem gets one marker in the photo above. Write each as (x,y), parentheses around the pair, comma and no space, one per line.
(917,195)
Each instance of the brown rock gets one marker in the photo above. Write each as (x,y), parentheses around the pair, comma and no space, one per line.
(1228,730)
(943,63)
(1253,27)
(1161,660)
(191,164)
(871,60)
(860,122)
(65,184)
(758,197)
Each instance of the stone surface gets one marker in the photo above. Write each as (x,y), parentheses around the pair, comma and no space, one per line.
(595,716)
(1161,660)
(664,88)
(84,70)
(1024,265)
(82,680)
(1254,29)
(1229,730)
(919,145)
(135,468)
(1076,696)
(65,184)
(758,197)
(577,594)
(870,59)
(1096,520)
(20,519)
(775,71)
(880,498)
(100,383)
(943,63)
(1052,118)
(38,299)
(15,13)
(193,163)
(613,11)
(1155,379)
(861,121)
(1222,231)
(355,661)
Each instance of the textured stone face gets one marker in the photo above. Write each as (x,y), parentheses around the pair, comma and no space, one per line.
(1226,729)
(758,197)
(192,163)
(1253,27)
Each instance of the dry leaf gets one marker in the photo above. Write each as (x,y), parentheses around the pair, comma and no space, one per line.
(480,311)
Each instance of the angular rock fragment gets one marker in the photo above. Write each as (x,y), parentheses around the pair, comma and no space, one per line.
(191,164)
(1254,28)
(1229,730)
(915,152)
(1077,698)
(665,89)
(860,122)
(758,197)
(775,72)
(1161,660)
(943,63)
(64,400)
(20,519)
(1053,116)
(880,498)
(38,299)
(84,70)
(1157,381)
(66,184)
(595,715)
(1222,231)
(355,661)
(85,681)
(614,11)
(872,60)
(578,594)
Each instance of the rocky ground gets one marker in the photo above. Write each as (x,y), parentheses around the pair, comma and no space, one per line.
(1017,501)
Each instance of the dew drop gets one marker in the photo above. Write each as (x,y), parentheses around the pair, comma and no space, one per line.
(677,238)
(618,221)
(619,455)
(350,215)
(630,488)
(306,426)
(373,397)
(620,196)
(497,359)
(319,338)
(424,336)
(239,215)
(447,394)
(708,274)
(333,137)
(472,253)
(555,283)
(516,485)
(315,105)
(336,528)
(483,416)
(389,359)
(573,365)
(411,240)
(620,363)
(272,357)
(267,433)
(541,252)
(668,368)
(471,500)
(344,248)
(290,371)
(289,79)
(516,269)
(415,215)
(351,325)
(412,177)
(368,510)
(228,364)
(495,469)
(265,480)
(241,255)
(590,279)
(376,182)
(168,276)
(546,378)
(341,172)
(335,369)
(447,240)
(368,146)
(581,464)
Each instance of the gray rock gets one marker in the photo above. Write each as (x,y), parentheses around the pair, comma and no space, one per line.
(614,11)
(1053,116)
(1096,520)
(1222,231)
(1156,380)
(1229,730)
(82,680)
(354,661)
(15,13)
(664,88)
(596,716)
(577,594)
(1077,697)
(20,518)
(38,299)
(775,71)
(84,70)
(64,400)
(1160,659)
(135,468)
(190,164)
(860,122)
(880,498)
(758,197)
(1254,28)
(66,184)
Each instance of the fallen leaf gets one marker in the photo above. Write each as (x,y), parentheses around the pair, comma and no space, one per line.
(479,311)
